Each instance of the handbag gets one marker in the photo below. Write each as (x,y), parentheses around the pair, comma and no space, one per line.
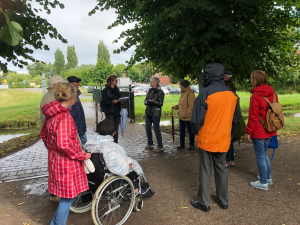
(88,164)
(273,144)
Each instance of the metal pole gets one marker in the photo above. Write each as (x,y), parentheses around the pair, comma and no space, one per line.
(129,105)
(96,110)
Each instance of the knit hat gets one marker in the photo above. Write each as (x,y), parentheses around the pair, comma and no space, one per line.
(56,79)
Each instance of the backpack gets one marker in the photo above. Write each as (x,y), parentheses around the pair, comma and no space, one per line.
(274,117)
(240,129)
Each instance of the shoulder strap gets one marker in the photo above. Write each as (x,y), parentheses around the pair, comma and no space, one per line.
(266,99)
(274,98)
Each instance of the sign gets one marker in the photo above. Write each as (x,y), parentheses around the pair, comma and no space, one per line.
(12,83)
(24,81)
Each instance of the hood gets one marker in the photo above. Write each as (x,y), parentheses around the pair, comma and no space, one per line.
(96,142)
(213,73)
(263,90)
(186,90)
(54,108)
(97,138)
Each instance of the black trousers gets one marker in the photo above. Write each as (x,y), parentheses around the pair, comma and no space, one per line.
(117,123)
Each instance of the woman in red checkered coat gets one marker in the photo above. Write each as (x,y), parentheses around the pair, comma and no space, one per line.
(65,158)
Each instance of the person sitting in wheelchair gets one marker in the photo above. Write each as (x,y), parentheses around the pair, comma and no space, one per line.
(114,155)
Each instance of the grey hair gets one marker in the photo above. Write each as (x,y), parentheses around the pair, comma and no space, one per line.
(155,80)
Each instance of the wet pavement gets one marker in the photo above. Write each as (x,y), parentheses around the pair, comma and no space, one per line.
(32,162)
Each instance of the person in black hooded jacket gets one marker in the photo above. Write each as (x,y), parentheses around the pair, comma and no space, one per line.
(214,121)
(110,102)
(154,101)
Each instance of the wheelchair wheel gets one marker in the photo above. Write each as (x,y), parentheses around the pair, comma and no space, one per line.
(79,206)
(113,201)
(138,204)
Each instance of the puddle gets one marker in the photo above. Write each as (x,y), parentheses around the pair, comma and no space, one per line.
(165,121)
(7,134)
(37,188)
(89,109)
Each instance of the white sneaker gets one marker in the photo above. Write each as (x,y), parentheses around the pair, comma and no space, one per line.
(269,181)
(259,185)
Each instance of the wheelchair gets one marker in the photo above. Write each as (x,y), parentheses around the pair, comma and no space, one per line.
(113,201)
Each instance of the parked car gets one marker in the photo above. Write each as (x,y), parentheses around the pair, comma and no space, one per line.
(165,90)
(124,89)
(195,88)
(176,91)
(139,91)
(90,89)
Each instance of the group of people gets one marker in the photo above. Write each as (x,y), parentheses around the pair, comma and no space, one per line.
(210,120)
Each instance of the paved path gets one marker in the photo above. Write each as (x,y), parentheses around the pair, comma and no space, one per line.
(32,161)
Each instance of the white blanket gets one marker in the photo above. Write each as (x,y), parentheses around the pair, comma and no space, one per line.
(114,155)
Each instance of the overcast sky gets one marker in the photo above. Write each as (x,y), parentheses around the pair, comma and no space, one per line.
(82,31)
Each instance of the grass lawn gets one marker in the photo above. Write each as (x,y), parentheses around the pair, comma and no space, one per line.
(287,101)
(19,108)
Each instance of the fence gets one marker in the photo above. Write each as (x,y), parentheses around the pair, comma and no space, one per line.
(129,104)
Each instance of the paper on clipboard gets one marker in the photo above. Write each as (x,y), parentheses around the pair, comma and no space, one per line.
(122,99)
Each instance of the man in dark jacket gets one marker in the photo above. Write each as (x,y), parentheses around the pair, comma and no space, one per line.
(213,122)
(154,101)
(77,111)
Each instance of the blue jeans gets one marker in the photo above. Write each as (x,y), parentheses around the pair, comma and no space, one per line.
(263,163)
(61,215)
(83,138)
(148,123)
(182,126)
(230,153)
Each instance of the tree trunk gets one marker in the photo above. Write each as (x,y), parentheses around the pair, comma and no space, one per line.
(200,80)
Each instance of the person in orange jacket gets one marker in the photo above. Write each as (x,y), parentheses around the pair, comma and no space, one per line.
(214,121)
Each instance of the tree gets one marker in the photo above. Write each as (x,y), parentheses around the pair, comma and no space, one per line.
(182,37)
(173,80)
(35,29)
(103,52)
(96,75)
(71,57)
(146,72)
(38,68)
(100,73)
(38,80)
(134,74)
(17,78)
(118,69)
(59,63)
